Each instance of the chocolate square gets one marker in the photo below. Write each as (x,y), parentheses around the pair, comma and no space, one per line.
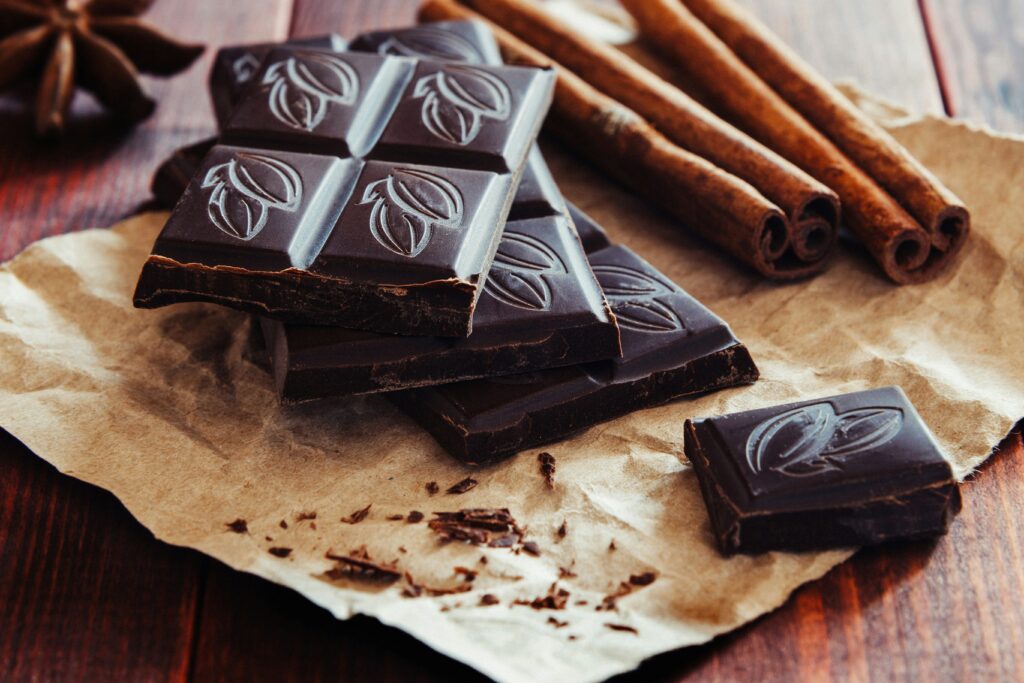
(841,471)
(234,67)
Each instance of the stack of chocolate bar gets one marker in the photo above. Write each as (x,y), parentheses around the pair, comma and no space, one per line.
(384,210)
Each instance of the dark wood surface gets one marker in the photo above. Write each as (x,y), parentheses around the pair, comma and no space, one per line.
(88,594)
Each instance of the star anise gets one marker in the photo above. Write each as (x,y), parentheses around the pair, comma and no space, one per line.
(100,45)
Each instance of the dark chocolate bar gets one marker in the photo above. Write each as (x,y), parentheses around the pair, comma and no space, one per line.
(835,472)
(469,41)
(541,308)
(672,347)
(394,232)
(473,43)
(234,67)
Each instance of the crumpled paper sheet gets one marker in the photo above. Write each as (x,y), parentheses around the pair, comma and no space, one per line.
(163,409)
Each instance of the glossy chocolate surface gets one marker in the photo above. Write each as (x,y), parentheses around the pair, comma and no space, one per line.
(845,470)
(386,227)
(672,347)
(235,66)
(541,308)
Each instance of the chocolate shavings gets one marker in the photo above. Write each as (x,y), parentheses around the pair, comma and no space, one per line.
(303,516)
(358,515)
(623,627)
(557,598)
(359,566)
(461,487)
(556,623)
(547,468)
(488,599)
(415,517)
(239,526)
(280,552)
(432,487)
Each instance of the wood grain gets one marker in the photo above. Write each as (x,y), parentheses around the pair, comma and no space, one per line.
(979,49)
(89,595)
(251,630)
(880,44)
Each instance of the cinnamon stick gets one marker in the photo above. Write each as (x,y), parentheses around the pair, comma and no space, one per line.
(906,251)
(810,206)
(869,145)
(718,206)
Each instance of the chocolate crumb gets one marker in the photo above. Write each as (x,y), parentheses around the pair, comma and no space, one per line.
(415,517)
(396,518)
(268,538)
(572,637)
(283,524)
(581,602)
(280,552)
(477,526)
(483,559)
(402,549)
(359,566)
(303,516)
(467,573)
(532,548)
(623,627)
(358,515)
(556,623)
(461,487)
(645,579)
(563,530)
(415,590)
(432,487)
(488,599)
(547,468)
(239,526)
(612,547)
(312,525)
(556,598)
(445,608)
(567,572)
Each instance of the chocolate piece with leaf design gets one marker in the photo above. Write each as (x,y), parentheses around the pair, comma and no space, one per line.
(841,471)
(672,346)
(398,237)
(541,308)
(235,66)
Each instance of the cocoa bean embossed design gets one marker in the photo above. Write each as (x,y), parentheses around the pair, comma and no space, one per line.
(433,43)
(408,206)
(633,296)
(245,67)
(457,99)
(814,439)
(303,86)
(517,276)
(246,188)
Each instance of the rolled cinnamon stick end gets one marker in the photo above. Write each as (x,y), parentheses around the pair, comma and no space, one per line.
(678,116)
(709,201)
(933,206)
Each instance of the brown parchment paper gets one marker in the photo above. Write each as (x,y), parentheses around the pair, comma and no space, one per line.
(163,409)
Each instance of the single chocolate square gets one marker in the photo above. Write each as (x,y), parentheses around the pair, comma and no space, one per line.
(841,471)
(541,308)
(672,346)
(318,101)
(411,251)
(234,67)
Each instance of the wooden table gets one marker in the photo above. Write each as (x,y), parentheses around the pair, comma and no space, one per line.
(86,593)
